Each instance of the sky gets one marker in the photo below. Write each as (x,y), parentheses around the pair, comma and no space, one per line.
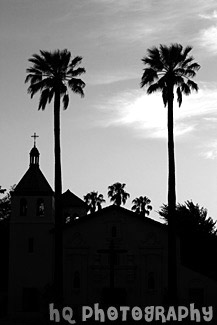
(116,133)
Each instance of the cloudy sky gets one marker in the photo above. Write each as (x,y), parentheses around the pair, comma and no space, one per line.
(116,133)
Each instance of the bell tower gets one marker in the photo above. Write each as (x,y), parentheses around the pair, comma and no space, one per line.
(34,153)
(31,240)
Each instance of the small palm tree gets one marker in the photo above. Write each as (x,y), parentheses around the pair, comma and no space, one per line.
(51,74)
(142,205)
(117,194)
(2,190)
(94,201)
(167,69)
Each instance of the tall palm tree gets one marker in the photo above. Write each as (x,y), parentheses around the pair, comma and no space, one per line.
(142,205)
(52,74)
(94,201)
(167,69)
(117,193)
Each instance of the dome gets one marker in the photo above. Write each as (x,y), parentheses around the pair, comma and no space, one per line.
(34,152)
(34,156)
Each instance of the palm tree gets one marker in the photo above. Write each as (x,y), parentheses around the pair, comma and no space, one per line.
(2,190)
(52,74)
(142,205)
(167,69)
(94,201)
(117,194)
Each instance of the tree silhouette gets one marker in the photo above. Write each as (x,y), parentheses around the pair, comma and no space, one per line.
(198,236)
(142,205)
(2,190)
(5,213)
(52,74)
(191,219)
(5,205)
(94,201)
(117,193)
(167,69)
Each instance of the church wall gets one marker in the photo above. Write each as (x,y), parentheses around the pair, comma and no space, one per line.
(146,256)
(29,269)
(31,253)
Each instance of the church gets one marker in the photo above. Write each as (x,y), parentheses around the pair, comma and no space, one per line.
(113,248)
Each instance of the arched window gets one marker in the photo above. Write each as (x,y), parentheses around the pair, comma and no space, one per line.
(40,207)
(67,217)
(23,207)
(76,280)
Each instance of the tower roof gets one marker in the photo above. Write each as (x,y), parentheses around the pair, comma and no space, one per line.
(70,199)
(33,183)
(34,152)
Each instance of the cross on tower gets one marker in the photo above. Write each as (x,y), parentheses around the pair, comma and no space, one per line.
(34,136)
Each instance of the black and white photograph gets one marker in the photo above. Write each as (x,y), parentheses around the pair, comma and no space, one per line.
(108,187)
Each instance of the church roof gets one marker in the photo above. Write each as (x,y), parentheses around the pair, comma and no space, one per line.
(114,210)
(70,199)
(33,183)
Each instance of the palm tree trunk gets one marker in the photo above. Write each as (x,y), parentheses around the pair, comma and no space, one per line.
(172,253)
(58,263)
(119,200)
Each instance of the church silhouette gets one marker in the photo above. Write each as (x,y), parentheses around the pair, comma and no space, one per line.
(112,256)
